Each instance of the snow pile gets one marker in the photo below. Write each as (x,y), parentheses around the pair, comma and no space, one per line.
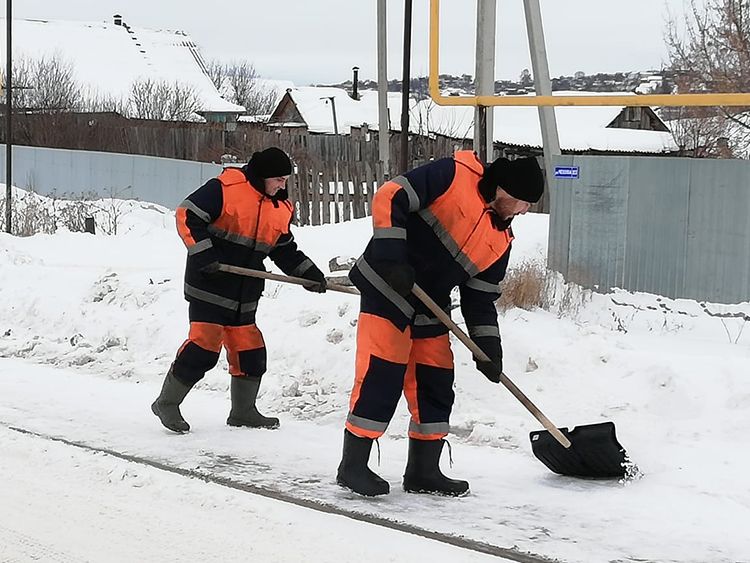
(105,316)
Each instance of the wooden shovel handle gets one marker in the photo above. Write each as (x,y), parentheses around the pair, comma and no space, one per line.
(286,279)
(478,353)
(440,314)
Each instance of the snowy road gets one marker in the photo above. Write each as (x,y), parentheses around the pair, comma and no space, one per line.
(65,505)
(73,504)
(89,325)
(62,503)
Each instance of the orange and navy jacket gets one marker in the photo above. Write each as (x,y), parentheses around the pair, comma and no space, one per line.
(231,221)
(434,218)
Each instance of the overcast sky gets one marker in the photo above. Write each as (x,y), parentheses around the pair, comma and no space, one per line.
(318,41)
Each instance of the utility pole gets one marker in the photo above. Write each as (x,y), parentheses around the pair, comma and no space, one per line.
(542,86)
(405,87)
(384,122)
(485,78)
(8,121)
(333,109)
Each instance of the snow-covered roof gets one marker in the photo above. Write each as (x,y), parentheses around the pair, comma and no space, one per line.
(314,106)
(579,128)
(108,58)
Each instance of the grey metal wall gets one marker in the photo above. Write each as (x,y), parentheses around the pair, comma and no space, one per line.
(158,180)
(670,226)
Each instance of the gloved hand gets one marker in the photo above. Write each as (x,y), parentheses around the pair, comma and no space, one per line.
(314,273)
(399,275)
(210,270)
(494,350)
(491,370)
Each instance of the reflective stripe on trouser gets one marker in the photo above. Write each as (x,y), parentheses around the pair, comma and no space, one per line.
(246,352)
(388,362)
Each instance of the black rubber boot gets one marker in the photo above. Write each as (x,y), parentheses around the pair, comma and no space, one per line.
(353,472)
(244,391)
(423,473)
(167,404)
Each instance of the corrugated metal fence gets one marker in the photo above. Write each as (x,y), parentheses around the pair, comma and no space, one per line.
(669,226)
(164,181)
(323,192)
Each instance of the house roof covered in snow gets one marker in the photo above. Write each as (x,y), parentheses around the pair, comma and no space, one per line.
(108,57)
(314,109)
(579,128)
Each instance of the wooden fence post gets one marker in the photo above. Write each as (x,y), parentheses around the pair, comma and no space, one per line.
(326,197)
(315,185)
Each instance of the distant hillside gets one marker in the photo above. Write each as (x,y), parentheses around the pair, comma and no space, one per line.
(646,82)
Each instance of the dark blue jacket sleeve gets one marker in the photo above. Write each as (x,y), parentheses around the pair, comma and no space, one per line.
(478,297)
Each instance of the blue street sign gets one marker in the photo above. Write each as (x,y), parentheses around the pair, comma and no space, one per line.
(569,172)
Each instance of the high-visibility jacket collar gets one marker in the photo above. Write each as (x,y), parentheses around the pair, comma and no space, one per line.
(470,160)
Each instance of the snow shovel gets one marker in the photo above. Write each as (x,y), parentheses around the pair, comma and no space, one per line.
(586,451)
(591,450)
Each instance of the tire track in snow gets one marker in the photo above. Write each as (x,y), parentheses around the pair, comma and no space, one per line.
(17,547)
(461,542)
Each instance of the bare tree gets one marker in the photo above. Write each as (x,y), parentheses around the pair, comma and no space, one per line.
(240,83)
(709,49)
(217,72)
(152,99)
(96,102)
(47,84)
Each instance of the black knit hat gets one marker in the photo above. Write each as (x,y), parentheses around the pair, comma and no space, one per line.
(521,178)
(270,163)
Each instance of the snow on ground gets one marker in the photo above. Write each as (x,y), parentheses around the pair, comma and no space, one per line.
(115,510)
(89,325)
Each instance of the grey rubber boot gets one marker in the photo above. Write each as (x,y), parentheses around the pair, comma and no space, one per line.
(167,404)
(353,472)
(423,473)
(244,391)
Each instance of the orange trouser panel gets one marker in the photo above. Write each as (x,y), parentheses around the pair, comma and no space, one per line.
(380,364)
(245,350)
(428,387)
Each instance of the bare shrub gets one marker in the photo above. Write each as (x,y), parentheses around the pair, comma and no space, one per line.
(158,99)
(75,209)
(240,83)
(525,287)
(111,209)
(95,102)
(217,71)
(46,84)
(531,285)
(33,214)
(30,214)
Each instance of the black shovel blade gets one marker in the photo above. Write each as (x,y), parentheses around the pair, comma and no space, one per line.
(595,451)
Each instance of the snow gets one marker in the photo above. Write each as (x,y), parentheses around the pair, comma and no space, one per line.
(314,105)
(121,56)
(90,323)
(579,128)
(115,510)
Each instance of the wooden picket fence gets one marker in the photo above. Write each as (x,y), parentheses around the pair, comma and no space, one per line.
(332,192)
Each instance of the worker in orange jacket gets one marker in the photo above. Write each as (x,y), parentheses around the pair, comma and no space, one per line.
(442,225)
(239,218)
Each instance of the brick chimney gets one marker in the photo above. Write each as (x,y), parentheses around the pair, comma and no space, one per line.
(117,19)
(355,83)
